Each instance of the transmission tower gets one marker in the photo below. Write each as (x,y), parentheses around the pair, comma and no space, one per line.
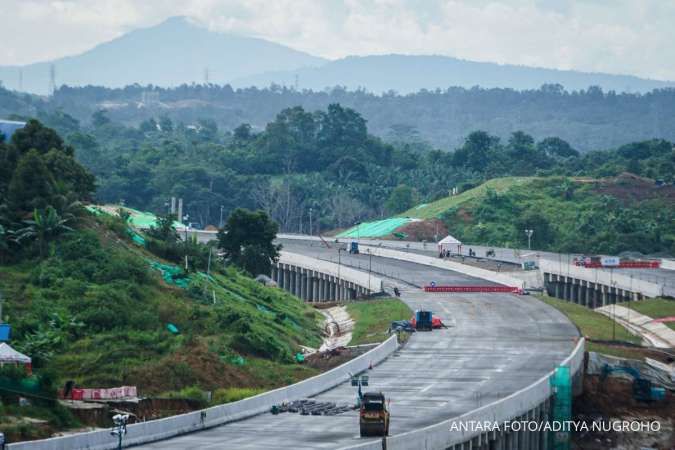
(20,80)
(206,75)
(52,79)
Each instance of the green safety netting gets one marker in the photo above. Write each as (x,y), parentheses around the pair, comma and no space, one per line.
(561,385)
(377,228)
(237,360)
(266,310)
(141,219)
(138,219)
(171,274)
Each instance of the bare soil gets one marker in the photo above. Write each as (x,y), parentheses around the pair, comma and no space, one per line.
(612,400)
(630,188)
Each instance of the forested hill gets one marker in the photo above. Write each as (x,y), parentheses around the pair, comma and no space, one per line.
(410,73)
(589,119)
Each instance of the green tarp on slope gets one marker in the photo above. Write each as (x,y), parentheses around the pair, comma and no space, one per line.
(378,228)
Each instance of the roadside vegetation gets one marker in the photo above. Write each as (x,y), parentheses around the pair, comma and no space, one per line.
(597,327)
(655,308)
(372,319)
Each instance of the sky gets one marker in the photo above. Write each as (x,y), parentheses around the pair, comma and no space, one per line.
(634,37)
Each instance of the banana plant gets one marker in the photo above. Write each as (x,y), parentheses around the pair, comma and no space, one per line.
(45,226)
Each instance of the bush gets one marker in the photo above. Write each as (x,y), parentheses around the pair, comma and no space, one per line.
(230,395)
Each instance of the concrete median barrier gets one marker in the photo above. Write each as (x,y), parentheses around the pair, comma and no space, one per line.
(443,435)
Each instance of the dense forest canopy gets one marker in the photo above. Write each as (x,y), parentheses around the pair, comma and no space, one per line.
(589,119)
(325,160)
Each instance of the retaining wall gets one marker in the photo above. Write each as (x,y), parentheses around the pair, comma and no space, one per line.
(441,436)
(156,430)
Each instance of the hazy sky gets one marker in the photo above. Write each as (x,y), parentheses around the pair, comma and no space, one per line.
(617,36)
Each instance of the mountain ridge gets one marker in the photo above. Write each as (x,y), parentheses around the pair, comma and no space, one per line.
(171,53)
(180,51)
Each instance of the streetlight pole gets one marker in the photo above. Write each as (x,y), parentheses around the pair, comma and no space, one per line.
(310,222)
(338,289)
(370,266)
(185,224)
(529,233)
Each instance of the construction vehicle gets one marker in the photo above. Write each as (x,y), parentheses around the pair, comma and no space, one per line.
(354,248)
(373,415)
(643,389)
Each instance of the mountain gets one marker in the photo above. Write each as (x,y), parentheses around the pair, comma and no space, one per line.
(410,73)
(174,52)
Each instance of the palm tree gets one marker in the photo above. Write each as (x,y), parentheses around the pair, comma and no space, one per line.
(45,225)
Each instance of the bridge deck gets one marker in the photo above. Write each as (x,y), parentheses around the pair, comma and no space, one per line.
(495,345)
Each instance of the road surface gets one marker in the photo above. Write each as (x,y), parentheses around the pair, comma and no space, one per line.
(495,344)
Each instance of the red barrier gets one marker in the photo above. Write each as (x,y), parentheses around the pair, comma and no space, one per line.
(509,289)
(624,265)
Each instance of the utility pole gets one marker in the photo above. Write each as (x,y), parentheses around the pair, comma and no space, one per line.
(529,233)
(220,223)
(52,79)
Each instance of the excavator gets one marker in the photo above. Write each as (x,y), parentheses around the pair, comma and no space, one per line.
(373,415)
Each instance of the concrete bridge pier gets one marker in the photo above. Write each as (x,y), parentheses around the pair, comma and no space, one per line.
(315,286)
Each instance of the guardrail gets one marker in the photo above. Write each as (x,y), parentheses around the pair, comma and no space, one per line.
(442,435)
(156,430)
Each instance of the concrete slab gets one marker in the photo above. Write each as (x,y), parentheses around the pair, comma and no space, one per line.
(495,344)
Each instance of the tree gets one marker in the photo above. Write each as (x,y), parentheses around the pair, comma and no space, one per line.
(163,230)
(557,148)
(100,118)
(247,241)
(401,199)
(35,136)
(31,185)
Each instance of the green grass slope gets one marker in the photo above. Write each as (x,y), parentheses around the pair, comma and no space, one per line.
(96,312)
(655,308)
(609,216)
(437,208)
(373,318)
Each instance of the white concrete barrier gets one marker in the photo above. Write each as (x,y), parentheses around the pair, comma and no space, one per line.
(668,264)
(604,277)
(442,435)
(472,271)
(348,274)
(156,430)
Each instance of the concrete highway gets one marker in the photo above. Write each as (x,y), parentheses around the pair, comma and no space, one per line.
(495,344)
